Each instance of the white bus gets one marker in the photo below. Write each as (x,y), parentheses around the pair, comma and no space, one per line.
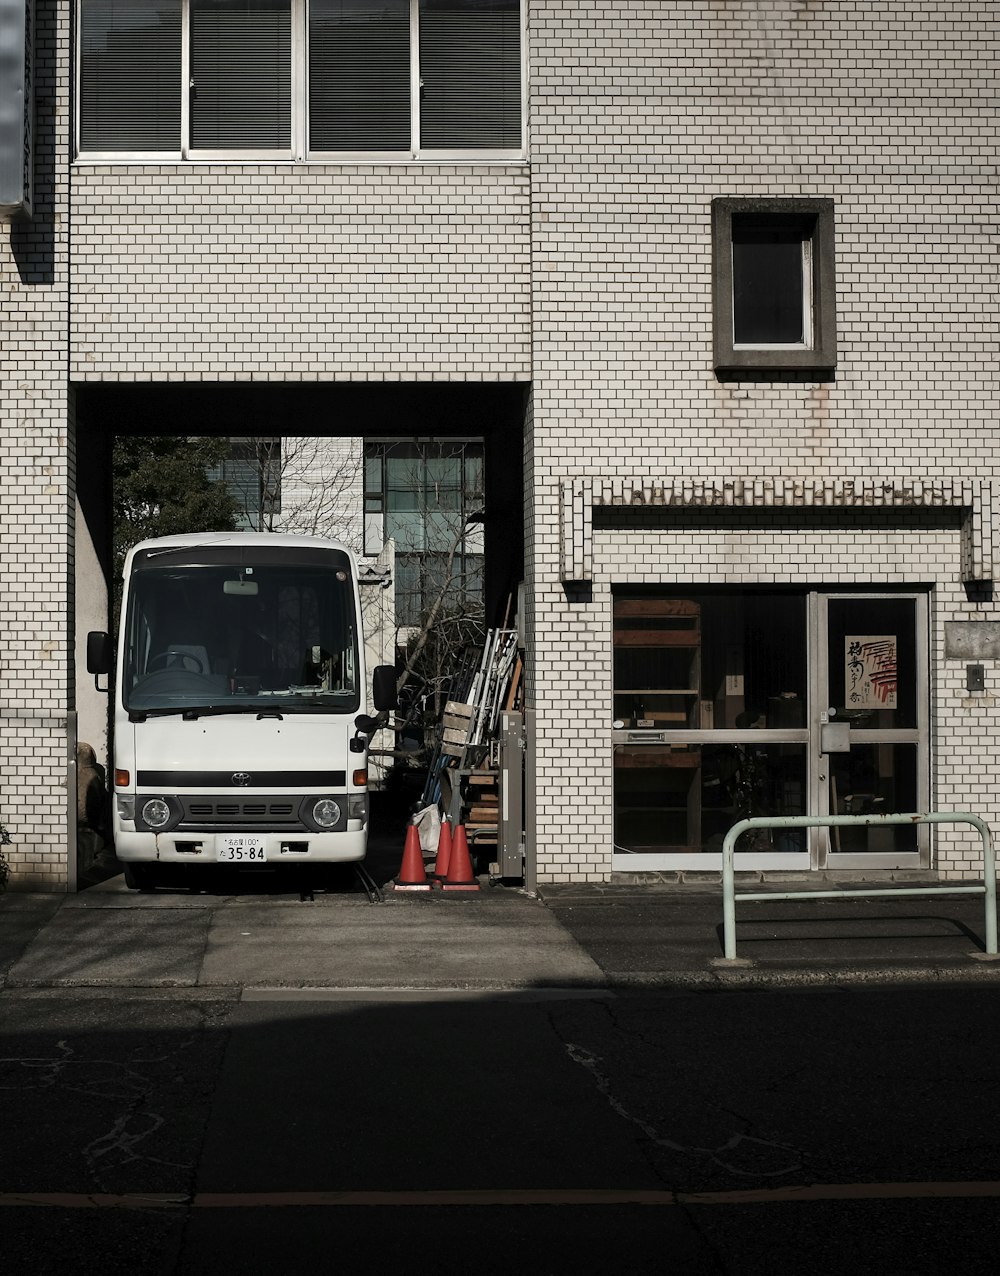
(241,715)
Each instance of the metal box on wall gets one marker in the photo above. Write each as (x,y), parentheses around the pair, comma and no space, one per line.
(16,106)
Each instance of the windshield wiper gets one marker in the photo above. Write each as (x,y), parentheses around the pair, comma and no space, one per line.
(189,712)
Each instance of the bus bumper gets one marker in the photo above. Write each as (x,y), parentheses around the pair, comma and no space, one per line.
(244,848)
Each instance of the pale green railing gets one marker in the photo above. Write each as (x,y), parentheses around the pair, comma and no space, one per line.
(729,895)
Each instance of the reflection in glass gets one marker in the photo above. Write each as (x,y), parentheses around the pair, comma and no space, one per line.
(684,798)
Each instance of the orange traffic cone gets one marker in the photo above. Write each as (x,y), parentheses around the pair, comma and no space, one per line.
(412,874)
(443,852)
(460,875)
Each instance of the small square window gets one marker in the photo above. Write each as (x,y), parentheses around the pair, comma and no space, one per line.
(773,271)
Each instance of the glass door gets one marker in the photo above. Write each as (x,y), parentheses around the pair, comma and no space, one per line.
(869,730)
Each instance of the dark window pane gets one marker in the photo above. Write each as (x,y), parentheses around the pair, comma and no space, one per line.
(359,75)
(241,68)
(684,798)
(768,300)
(130,75)
(470,69)
(749,781)
(711,661)
(874,779)
(873,662)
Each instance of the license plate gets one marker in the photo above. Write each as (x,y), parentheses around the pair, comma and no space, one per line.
(242,850)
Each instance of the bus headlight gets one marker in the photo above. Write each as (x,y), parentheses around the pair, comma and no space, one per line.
(155,814)
(326,813)
(357,806)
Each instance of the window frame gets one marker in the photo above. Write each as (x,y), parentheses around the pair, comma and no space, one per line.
(817,353)
(298,151)
(471,452)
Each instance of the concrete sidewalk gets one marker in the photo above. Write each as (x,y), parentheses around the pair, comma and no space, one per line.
(673,935)
(263,935)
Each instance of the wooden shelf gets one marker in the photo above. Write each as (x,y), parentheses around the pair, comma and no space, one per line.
(629,607)
(679,638)
(645,691)
(657,643)
(658,757)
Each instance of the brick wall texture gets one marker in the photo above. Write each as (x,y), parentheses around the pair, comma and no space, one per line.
(588,272)
(641,114)
(37,449)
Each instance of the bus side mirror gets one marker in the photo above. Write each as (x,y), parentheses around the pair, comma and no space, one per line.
(98,655)
(384,693)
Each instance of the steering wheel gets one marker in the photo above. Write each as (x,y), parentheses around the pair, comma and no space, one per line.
(164,657)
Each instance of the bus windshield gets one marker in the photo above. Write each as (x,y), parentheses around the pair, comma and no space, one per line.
(217,637)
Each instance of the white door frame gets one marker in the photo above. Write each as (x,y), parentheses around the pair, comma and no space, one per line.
(822,848)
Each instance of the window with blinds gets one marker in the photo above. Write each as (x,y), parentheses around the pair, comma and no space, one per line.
(359,75)
(470,74)
(241,85)
(130,75)
(300,77)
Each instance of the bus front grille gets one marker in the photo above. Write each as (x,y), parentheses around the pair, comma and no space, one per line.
(207,813)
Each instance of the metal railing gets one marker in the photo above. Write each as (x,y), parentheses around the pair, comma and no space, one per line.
(729,896)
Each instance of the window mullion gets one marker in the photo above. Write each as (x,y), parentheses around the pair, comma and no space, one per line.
(414,76)
(185,78)
(299,84)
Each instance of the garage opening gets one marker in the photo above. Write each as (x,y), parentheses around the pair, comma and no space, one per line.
(423,482)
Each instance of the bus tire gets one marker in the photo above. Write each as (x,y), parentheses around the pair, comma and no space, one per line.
(139,877)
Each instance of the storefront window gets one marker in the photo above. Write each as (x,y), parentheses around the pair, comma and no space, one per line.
(766,704)
(715,664)
(685,798)
(734,662)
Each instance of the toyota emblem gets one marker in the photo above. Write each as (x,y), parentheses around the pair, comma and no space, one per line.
(242,778)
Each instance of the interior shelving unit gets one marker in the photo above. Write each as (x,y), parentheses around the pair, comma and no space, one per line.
(657,662)
(657,654)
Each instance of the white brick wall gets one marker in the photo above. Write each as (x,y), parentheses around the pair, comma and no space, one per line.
(300,272)
(36,501)
(642,113)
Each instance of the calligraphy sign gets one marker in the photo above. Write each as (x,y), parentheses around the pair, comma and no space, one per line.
(870,671)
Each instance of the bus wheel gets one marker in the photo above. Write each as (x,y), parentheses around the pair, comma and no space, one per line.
(139,877)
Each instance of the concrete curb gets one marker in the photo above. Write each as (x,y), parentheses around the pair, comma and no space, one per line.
(751,976)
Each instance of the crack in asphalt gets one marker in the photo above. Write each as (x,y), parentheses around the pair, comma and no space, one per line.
(132,1085)
(105,1079)
(739,1140)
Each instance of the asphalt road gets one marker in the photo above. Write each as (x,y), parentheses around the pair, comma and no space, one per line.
(214,1130)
